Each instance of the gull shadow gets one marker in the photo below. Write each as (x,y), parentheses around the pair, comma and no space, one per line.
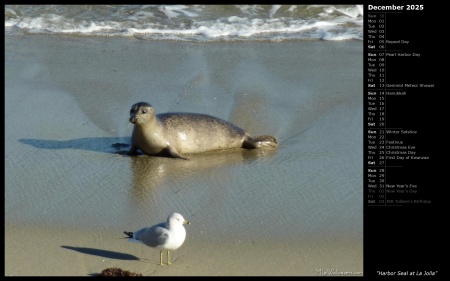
(98,144)
(102,253)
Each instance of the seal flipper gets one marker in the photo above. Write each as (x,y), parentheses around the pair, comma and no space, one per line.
(261,141)
(133,150)
(172,152)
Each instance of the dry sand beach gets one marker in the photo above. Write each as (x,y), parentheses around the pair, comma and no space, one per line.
(70,194)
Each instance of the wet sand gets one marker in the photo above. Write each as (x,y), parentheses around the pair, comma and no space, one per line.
(70,194)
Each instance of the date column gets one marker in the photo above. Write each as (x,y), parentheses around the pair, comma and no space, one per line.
(375,109)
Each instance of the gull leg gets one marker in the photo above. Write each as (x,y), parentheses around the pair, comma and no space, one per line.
(168,258)
(160,257)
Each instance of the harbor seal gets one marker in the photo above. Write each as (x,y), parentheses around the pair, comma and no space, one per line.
(175,134)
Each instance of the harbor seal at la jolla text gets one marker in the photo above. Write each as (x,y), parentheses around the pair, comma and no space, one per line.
(176,134)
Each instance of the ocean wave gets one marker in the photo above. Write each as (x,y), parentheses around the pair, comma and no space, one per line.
(191,22)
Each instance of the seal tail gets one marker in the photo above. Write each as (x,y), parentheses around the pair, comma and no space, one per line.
(261,141)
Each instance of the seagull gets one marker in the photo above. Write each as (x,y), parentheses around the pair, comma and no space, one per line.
(167,235)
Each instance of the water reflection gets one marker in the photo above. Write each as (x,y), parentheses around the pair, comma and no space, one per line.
(152,177)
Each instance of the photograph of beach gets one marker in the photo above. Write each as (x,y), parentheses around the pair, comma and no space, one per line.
(295,72)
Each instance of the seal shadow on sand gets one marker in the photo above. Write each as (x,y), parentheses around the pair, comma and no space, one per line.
(152,171)
(102,253)
(120,145)
(98,144)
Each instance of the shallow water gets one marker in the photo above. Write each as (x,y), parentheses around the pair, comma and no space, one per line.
(68,103)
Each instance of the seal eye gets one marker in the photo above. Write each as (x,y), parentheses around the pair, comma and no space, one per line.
(144,111)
